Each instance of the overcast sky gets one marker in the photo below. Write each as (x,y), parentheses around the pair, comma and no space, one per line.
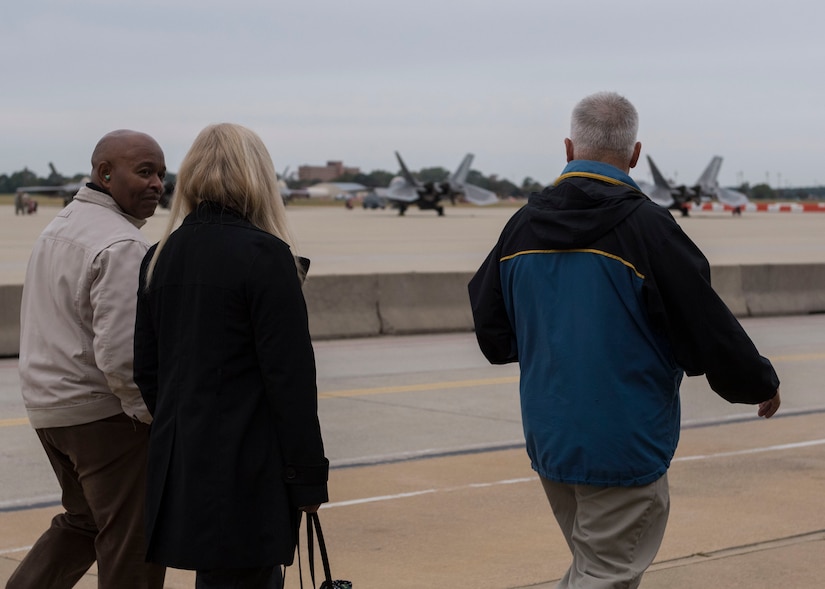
(355,80)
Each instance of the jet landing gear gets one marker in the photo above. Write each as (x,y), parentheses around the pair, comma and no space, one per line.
(402,208)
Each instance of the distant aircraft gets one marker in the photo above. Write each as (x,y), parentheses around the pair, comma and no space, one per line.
(707,187)
(664,193)
(59,187)
(406,189)
(288,193)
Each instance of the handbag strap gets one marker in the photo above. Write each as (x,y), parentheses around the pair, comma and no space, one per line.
(314,521)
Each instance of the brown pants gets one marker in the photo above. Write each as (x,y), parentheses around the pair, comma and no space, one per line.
(101,467)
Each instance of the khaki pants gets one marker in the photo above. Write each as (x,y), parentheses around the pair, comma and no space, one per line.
(101,467)
(613,533)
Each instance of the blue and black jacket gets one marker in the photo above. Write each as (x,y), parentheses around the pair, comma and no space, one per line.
(605,303)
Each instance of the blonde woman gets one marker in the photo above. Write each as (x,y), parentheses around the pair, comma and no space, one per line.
(224,361)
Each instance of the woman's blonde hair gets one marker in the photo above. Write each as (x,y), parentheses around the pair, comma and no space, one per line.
(228,164)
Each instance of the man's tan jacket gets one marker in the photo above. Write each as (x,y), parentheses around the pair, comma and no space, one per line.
(78,315)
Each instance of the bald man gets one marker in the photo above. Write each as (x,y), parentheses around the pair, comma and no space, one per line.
(77,327)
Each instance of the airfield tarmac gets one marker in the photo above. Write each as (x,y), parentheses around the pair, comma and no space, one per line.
(430,484)
(341,241)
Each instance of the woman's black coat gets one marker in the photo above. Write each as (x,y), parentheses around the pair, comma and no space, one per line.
(225,364)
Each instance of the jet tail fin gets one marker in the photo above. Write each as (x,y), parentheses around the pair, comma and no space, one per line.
(708,177)
(460,175)
(658,179)
(405,172)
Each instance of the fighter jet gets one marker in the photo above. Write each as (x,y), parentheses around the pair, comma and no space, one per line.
(707,187)
(664,193)
(57,186)
(406,189)
(287,193)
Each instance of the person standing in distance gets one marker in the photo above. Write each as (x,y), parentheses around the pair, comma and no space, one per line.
(76,362)
(224,361)
(605,303)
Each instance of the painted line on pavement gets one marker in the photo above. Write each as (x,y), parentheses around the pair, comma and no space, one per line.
(14,421)
(776,448)
(426,386)
(469,486)
(13,550)
(378,498)
(443,385)
(427,492)
(455,384)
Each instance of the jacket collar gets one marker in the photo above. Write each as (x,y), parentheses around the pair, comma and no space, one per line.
(597,171)
(209,211)
(90,195)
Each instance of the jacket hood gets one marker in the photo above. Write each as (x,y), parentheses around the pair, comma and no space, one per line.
(580,209)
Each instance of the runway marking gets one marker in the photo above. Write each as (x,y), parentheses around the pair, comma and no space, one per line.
(427,492)
(443,385)
(13,550)
(457,384)
(14,421)
(799,357)
(379,498)
(776,448)
(426,386)
(469,486)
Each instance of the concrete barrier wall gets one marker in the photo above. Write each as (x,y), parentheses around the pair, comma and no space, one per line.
(10,319)
(398,304)
(787,289)
(386,304)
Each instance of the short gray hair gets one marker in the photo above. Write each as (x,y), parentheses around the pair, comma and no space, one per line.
(604,126)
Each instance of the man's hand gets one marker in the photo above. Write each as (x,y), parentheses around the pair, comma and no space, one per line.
(769,407)
(314,508)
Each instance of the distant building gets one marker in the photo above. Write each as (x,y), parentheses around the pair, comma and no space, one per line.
(333,170)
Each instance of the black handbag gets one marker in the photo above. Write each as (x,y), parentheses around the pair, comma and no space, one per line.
(314,528)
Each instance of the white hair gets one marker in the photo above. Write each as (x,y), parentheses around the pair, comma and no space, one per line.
(603,127)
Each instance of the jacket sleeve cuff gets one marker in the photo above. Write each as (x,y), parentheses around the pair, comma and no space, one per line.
(303,495)
(307,474)
(307,483)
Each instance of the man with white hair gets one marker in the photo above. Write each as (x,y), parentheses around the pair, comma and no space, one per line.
(606,303)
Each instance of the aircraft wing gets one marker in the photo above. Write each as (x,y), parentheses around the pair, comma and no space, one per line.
(401,190)
(659,194)
(51,190)
(479,196)
(731,197)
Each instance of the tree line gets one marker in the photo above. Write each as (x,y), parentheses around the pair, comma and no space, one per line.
(11,182)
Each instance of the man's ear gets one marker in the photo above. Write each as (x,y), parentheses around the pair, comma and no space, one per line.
(637,150)
(568,148)
(104,173)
